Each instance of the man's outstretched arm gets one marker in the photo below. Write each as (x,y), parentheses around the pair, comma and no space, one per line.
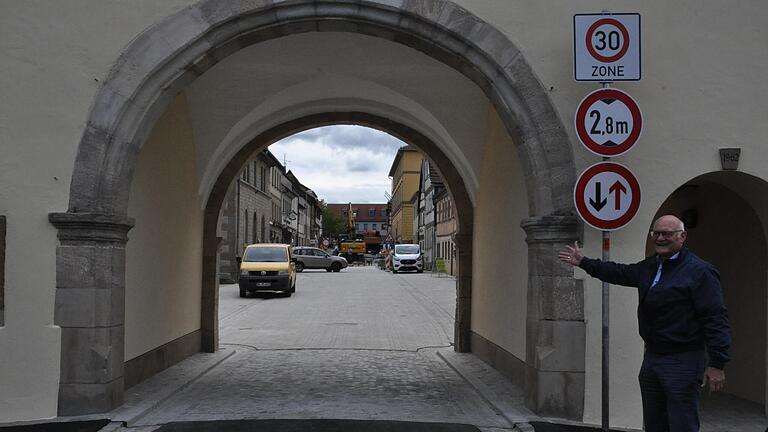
(611,272)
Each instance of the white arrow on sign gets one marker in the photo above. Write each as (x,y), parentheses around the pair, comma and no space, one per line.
(607,196)
(608,122)
(606,47)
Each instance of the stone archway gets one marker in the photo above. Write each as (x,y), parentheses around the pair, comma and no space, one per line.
(165,58)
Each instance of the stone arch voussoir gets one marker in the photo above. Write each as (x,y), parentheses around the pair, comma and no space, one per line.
(168,56)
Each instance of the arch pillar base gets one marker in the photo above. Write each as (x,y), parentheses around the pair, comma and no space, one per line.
(90,310)
(555,328)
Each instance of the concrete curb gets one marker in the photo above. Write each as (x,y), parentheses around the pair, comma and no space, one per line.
(147,396)
(505,398)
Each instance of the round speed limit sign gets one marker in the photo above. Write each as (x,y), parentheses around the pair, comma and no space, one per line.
(607,40)
(606,47)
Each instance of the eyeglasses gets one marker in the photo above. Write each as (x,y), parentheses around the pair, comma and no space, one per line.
(665,234)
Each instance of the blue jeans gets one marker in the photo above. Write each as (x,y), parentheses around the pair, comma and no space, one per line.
(671,387)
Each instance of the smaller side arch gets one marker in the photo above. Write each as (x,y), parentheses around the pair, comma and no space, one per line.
(726,216)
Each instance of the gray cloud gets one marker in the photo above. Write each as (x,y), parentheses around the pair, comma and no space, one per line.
(341,163)
(345,136)
(361,166)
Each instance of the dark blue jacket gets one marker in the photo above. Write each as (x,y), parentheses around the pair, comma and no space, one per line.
(683,312)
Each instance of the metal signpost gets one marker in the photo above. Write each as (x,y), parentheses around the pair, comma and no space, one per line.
(606,48)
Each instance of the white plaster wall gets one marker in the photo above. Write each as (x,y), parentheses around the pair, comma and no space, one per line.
(53,56)
(703,65)
(165,252)
(500,254)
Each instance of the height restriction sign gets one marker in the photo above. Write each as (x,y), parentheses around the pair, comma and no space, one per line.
(607,196)
(606,47)
(608,122)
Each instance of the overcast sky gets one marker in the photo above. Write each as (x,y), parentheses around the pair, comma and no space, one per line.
(341,163)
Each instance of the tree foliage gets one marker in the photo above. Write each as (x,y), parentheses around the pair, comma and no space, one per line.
(333,224)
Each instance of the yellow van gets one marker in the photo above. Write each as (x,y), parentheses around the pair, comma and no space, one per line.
(267,267)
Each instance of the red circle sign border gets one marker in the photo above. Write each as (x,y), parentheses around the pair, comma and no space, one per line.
(581,186)
(624,34)
(581,116)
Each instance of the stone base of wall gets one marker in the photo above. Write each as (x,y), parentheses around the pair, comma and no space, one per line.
(499,359)
(144,366)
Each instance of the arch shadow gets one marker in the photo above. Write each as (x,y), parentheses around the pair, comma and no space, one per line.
(726,216)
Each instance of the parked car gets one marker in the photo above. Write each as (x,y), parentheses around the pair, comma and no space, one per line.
(267,267)
(407,257)
(314,258)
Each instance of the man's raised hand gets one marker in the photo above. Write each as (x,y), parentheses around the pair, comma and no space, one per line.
(571,255)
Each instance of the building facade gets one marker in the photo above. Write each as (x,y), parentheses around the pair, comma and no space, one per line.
(252,209)
(430,184)
(120,138)
(405,183)
(245,214)
(445,231)
(366,218)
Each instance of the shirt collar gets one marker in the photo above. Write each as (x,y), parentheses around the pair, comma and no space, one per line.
(673,257)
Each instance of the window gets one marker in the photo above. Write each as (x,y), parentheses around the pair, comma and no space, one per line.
(263,229)
(384,212)
(371,212)
(263,183)
(245,227)
(365,227)
(357,227)
(374,227)
(2,270)
(255,230)
(345,214)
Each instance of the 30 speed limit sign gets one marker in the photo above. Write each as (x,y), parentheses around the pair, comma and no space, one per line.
(608,122)
(606,47)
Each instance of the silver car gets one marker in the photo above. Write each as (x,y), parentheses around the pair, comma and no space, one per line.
(314,258)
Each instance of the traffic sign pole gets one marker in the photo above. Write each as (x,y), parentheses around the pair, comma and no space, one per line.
(608,122)
(606,322)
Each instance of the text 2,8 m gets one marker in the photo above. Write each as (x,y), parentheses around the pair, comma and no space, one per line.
(611,126)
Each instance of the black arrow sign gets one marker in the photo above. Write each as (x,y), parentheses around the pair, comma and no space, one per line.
(599,202)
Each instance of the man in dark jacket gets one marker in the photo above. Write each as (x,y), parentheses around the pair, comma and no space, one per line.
(681,316)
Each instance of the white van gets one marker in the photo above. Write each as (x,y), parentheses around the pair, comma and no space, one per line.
(407,257)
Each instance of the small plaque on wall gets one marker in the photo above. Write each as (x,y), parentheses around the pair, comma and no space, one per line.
(729,158)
